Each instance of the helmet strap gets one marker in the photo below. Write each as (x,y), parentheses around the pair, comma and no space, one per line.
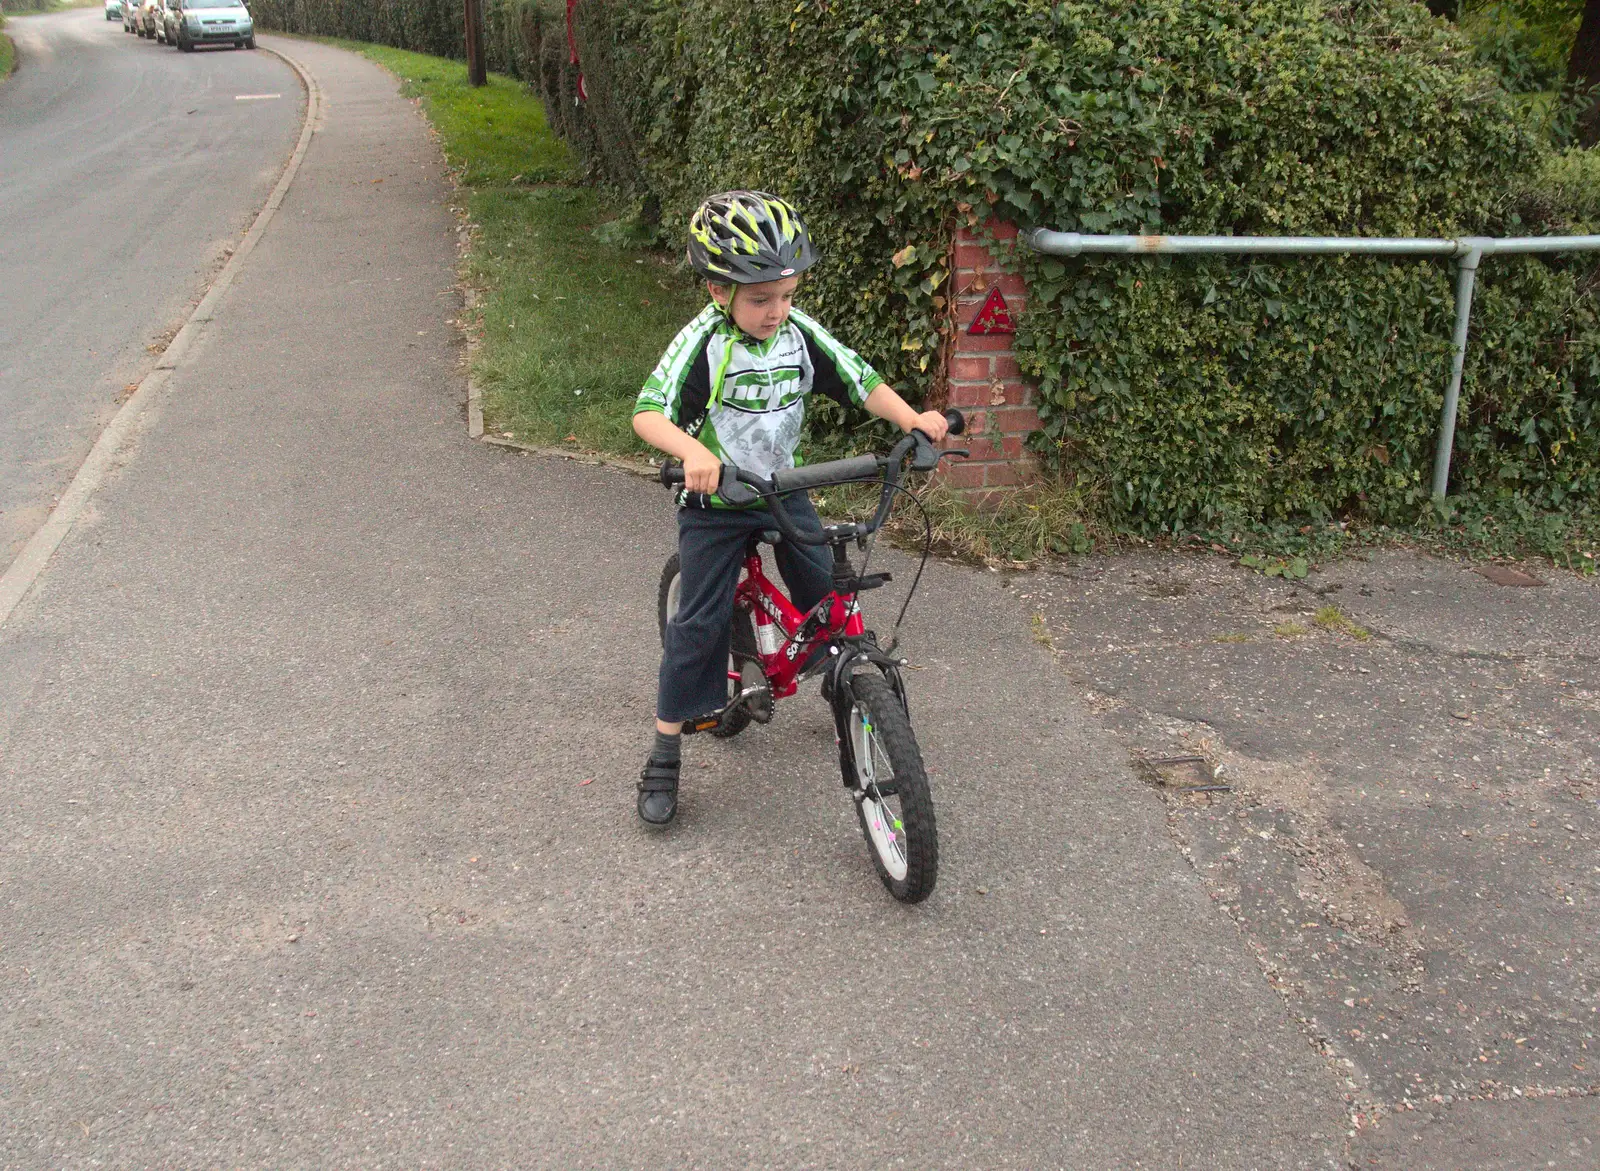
(725,308)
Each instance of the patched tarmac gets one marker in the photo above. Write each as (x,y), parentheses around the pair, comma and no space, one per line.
(1399,811)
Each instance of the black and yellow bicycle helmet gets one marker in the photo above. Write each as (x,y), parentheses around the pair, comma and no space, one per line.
(747,237)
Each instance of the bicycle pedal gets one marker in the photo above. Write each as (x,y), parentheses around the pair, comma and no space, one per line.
(702,723)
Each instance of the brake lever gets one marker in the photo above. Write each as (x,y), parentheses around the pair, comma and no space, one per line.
(734,490)
(927,456)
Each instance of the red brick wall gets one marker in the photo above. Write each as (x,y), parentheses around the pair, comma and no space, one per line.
(983,379)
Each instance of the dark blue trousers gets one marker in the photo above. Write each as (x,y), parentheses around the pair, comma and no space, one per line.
(711,546)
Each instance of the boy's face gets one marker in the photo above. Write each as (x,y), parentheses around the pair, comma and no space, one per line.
(758,309)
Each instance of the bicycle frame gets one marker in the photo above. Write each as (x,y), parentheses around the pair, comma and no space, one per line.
(784,636)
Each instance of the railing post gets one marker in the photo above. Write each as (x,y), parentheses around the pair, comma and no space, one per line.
(1466,278)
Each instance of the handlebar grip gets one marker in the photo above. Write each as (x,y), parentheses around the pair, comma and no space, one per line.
(957,421)
(730,489)
(862,467)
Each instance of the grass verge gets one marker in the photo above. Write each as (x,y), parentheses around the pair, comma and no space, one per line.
(572,311)
(58,6)
(8,53)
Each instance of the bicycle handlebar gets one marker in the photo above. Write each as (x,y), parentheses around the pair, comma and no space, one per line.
(741,487)
(838,471)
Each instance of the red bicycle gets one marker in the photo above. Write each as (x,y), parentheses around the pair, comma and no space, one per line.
(775,647)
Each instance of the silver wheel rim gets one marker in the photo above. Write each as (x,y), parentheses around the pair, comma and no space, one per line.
(884,828)
(674,592)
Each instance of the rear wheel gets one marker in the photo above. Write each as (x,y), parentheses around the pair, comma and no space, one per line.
(890,787)
(742,661)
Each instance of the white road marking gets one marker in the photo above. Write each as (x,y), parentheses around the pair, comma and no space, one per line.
(255,97)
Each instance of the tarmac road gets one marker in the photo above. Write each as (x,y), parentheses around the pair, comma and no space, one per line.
(127,172)
(317,751)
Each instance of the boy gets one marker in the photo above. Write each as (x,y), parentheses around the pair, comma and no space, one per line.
(731,389)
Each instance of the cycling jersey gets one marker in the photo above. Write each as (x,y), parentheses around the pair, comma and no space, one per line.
(745,399)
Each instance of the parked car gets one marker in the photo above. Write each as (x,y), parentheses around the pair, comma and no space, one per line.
(130,16)
(113,9)
(192,23)
(149,18)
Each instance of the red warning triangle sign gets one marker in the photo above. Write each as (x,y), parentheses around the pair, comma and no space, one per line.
(994,317)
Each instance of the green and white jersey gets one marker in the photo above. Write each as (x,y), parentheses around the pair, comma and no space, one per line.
(746,400)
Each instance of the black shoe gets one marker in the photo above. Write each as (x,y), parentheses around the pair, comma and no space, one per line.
(658,792)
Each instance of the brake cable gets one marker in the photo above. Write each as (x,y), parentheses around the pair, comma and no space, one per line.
(866,560)
(927,544)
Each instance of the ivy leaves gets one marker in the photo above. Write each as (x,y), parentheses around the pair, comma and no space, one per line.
(1196,390)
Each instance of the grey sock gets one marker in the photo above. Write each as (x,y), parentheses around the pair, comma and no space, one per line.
(668,749)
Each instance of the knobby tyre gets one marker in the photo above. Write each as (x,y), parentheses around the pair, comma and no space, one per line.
(743,644)
(893,801)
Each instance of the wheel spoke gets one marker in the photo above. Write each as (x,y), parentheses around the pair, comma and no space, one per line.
(889,824)
(883,818)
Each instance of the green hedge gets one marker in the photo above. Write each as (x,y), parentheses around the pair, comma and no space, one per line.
(524,39)
(512,31)
(1192,393)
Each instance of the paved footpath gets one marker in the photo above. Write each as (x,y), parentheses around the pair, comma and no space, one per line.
(299,867)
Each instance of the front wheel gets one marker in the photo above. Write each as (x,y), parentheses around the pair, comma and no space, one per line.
(890,787)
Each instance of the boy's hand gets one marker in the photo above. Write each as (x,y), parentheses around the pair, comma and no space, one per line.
(702,471)
(932,424)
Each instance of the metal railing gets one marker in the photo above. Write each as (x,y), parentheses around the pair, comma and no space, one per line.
(1468,251)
